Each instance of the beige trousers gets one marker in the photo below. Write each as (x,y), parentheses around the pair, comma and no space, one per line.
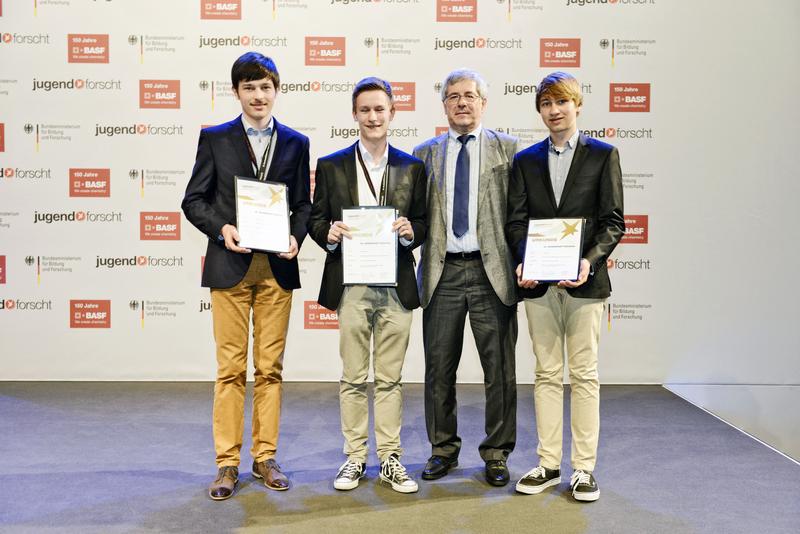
(554,320)
(231,308)
(372,313)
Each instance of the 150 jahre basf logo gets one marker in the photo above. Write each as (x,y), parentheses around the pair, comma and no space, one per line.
(159,226)
(90,314)
(456,10)
(159,94)
(560,53)
(87,48)
(636,229)
(317,317)
(326,51)
(629,97)
(90,182)
(404,95)
(230,10)
(2,269)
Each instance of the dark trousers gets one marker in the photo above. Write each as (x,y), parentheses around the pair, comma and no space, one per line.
(464,289)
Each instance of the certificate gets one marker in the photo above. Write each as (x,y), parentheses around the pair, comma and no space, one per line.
(262,215)
(553,250)
(370,256)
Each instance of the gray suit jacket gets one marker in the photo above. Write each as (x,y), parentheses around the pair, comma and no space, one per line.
(497,154)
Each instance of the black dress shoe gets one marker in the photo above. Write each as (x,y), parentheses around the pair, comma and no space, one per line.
(438,466)
(496,472)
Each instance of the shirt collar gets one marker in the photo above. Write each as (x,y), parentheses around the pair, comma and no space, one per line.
(252,130)
(368,157)
(571,142)
(476,132)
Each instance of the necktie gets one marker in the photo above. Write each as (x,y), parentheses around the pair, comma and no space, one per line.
(461,189)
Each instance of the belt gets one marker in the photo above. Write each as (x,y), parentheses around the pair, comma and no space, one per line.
(473,255)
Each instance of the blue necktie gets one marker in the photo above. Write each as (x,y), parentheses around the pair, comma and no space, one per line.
(461,189)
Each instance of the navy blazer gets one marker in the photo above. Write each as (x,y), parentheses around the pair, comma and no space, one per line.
(592,191)
(210,201)
(337,188)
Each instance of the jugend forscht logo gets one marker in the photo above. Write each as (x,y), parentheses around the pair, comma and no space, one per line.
(77,216)
(25,38)
(476,43)
(111,262)
(76,84)
(249,41)
(25,305)
(109,130)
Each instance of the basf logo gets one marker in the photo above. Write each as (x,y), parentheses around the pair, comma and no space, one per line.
(636,229)
(325,51)
(629,97)
(318,317)
(560,53)
(90,314)
(90,182)
(159,226)
(230,10)
(456,10)
(87,48)
(159,94)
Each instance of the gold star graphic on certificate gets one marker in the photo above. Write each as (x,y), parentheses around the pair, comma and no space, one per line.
(276,196)
(569,229)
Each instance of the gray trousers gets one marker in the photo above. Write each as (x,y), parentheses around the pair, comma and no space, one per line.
(465,289)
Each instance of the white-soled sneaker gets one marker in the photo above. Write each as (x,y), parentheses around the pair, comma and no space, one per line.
(584,486)
(349,474)
(393,473)
(538,479)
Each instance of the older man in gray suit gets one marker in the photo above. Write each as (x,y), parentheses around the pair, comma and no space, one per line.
(466,268)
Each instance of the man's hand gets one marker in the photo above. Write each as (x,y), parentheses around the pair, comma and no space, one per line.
(231,235)
(526,284)
(583,275)
(403,228)
(293,249)
(336,231)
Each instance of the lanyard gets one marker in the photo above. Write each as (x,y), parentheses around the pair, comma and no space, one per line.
(262,169)
(382,200)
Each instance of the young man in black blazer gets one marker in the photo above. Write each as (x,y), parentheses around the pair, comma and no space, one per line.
(241,281)
(568,175)
(369,173)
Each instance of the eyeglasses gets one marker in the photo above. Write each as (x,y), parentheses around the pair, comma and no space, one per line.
(455,98)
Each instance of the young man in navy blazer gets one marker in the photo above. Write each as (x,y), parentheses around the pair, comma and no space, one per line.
(241,281)
(568,175)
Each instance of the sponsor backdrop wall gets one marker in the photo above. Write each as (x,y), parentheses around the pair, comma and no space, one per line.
(102,102)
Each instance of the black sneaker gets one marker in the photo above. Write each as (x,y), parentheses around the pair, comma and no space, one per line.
(538,479)
(394,474)
(349,474)
(584,486)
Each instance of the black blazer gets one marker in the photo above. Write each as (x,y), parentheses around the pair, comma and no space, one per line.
(593,191)
(337,188)
(210,201)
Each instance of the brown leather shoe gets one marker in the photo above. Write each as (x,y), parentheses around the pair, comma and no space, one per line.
(270,471)
(224,485)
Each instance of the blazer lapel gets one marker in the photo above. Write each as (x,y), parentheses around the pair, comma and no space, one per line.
(391,175)
(350,173)
(489,159)
(544,170)
(577,160)
(238,140)
(439,158)
(279,151)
